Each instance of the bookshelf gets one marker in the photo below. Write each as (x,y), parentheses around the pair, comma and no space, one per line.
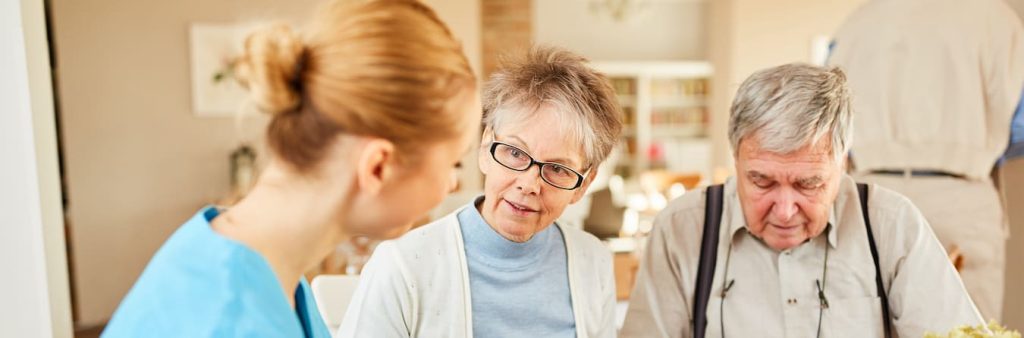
(666,116)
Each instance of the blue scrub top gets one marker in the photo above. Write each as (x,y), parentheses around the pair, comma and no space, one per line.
(202,284)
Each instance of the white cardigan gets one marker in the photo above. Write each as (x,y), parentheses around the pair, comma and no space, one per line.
(418,286)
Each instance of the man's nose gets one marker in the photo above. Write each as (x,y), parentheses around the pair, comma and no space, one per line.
(785,206)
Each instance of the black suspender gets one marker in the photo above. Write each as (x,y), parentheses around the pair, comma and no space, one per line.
(708,259)
(709,256)
(862,190)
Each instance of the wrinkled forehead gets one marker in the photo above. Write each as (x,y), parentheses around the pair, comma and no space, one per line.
(808,162)
(752,147)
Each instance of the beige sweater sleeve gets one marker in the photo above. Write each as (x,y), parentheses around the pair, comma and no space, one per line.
(1003,66)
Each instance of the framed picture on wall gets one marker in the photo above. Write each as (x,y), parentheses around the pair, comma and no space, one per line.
(212,49)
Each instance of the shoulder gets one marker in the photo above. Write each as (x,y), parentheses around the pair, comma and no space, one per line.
(589,258)
(689,204)
(888,207)
(683,217)
(192,264)
(584,243)
(175,302)
(196,285)
(439,234)
(1003,21)
(885,196)
(415,254)
(898,225)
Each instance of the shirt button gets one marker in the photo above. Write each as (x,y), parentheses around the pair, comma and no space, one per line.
(791,301)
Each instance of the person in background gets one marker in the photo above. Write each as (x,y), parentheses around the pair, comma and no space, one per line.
(371,109)
(935,85)
(501,266)
(795,255)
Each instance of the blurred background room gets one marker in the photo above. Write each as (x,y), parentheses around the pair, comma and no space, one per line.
(117,124)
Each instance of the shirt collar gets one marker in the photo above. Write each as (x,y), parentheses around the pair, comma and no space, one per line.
(732,210)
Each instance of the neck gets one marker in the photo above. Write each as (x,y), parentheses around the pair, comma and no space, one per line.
(288,220)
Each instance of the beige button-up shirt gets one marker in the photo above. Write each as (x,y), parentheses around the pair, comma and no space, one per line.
(775,294)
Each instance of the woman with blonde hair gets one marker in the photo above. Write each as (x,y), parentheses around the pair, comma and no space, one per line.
(371,109)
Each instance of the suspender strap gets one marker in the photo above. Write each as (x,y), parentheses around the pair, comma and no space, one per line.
(708,258)
(862,190)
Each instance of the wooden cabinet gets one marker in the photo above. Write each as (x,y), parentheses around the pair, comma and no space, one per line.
(626,265)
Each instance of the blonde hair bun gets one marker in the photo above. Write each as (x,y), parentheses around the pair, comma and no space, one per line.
(383,68)
(271,68)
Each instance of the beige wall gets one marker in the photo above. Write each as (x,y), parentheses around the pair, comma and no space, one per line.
(463,17)
(1013,188)
(651,30)
(138,162)
(748,35)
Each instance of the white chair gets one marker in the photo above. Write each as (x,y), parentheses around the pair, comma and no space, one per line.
(333,293)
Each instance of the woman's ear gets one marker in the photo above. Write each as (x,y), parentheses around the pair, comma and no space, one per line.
(483,158)
(582,190)
(375,165)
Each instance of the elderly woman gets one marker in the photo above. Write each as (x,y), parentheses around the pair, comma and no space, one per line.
(501,266)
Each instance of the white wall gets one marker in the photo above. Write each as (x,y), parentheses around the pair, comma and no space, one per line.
(34,287)
(656,30)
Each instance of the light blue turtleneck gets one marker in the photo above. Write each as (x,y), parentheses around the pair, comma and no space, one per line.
(517,289)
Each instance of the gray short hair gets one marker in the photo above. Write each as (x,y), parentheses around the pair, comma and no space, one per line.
(588,108)
(792,106)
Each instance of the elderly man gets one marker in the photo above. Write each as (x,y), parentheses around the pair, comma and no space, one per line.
(787,252)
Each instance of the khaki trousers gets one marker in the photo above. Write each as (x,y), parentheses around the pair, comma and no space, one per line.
(967,214)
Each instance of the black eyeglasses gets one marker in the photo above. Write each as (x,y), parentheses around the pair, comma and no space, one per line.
(557,175)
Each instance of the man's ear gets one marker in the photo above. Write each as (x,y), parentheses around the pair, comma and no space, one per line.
(375,165)
(578,194)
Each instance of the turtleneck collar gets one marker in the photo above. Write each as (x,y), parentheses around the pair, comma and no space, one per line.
(485,245)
